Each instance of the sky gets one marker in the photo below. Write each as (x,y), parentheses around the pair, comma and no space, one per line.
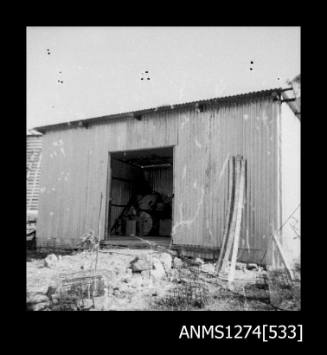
(82,72)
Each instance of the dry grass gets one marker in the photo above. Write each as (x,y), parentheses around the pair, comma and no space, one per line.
(284,294)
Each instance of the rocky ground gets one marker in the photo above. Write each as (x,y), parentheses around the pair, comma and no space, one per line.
(128,279)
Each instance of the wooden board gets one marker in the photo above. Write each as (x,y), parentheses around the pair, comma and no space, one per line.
(231,182)
(238,218)
(233,229)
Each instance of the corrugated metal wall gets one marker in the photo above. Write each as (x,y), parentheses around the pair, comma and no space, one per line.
(75,166)
(33,162)
(205,143)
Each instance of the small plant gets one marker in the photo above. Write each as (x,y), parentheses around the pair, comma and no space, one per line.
(283,291)
(89,242)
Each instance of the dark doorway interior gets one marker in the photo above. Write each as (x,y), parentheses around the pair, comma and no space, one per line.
(141,193)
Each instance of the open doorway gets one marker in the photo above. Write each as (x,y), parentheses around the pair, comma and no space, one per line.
(141,194)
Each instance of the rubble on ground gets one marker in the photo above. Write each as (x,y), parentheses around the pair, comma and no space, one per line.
(140,264)
(198,261)
(128,279)
(166,261)
(177,263)
(208,268)
(252,266)
(50,261)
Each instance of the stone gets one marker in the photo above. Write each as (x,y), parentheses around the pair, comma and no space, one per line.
(50,261)
(252,266)
(158,271)
(166,260)
(35,298)
(40,306)
(172,252)
(119,290)
(42,287)
(208,268)
(178,263)
(139,265)
(198,262)
(51,291)
(240,266)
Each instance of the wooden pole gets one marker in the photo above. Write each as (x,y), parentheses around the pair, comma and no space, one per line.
(98,235)
(281,252)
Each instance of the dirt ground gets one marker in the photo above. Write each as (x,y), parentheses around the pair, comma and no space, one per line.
(135,279)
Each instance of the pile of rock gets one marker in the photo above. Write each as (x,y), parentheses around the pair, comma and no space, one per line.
(154,267)
(146,274)
(37,301)
(51,261)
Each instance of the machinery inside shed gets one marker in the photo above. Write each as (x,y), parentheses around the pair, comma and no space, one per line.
(141,193)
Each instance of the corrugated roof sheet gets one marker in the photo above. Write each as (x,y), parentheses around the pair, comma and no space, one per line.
(33,132)
(137,113)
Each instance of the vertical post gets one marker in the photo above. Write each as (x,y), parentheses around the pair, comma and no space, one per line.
(98,244)
(283,257)
(108,201)
(173,200)
(277,107)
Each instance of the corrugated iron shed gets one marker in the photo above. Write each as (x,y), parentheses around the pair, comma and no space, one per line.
(204,134)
